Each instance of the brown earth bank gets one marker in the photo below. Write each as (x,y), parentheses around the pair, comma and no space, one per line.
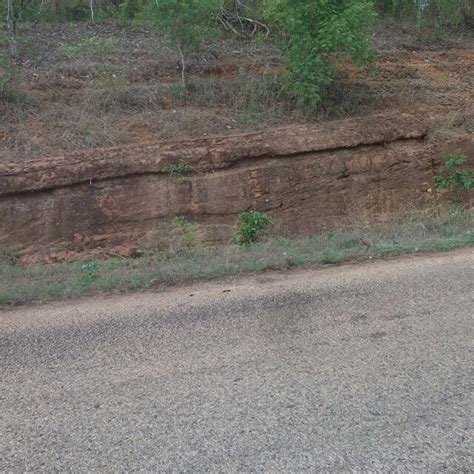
(93,166)
(62,103)
(116,200)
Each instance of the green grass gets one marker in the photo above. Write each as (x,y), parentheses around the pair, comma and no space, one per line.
(23,284)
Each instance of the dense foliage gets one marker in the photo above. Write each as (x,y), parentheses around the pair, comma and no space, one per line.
(444,12)
(317,33)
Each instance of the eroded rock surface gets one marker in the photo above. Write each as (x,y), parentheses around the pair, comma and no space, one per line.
(110,201)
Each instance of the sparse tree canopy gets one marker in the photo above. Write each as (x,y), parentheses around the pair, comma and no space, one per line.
(188,23)
(313,34)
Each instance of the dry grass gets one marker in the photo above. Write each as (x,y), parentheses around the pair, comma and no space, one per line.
(62,102)
(132,94)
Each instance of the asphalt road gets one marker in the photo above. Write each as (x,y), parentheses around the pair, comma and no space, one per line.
(359,367)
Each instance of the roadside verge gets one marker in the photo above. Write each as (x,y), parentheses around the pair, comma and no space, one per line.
(21,284)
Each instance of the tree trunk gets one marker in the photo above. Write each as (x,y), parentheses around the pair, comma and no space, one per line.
(10,25)
(468,12)
(91,8)
(183,67)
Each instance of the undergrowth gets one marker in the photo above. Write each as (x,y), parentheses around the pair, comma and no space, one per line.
(22,284)
(253,98)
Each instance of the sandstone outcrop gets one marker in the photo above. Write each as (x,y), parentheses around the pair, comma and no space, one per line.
(108,201)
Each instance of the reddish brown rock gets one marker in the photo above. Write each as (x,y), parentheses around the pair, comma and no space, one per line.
(310,178)
(204,155)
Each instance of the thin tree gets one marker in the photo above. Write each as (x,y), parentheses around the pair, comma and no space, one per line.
(189,23)
(468,13)
(91,8)
(9,24)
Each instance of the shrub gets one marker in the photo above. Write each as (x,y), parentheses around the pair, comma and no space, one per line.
(181,169)
(251,226)
(455,178)
(318,33)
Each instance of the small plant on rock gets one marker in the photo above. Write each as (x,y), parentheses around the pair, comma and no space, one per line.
(251,227)
(181,170)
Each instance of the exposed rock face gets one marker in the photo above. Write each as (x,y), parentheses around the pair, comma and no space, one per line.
(310,177)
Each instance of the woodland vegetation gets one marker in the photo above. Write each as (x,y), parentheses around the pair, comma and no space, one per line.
(312,34)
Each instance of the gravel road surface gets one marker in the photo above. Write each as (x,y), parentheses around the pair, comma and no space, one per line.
(357,367)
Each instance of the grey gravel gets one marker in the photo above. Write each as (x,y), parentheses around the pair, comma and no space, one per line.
(351,368)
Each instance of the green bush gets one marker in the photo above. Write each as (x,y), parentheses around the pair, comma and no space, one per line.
(251,227)
(318,33)
(455,178)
